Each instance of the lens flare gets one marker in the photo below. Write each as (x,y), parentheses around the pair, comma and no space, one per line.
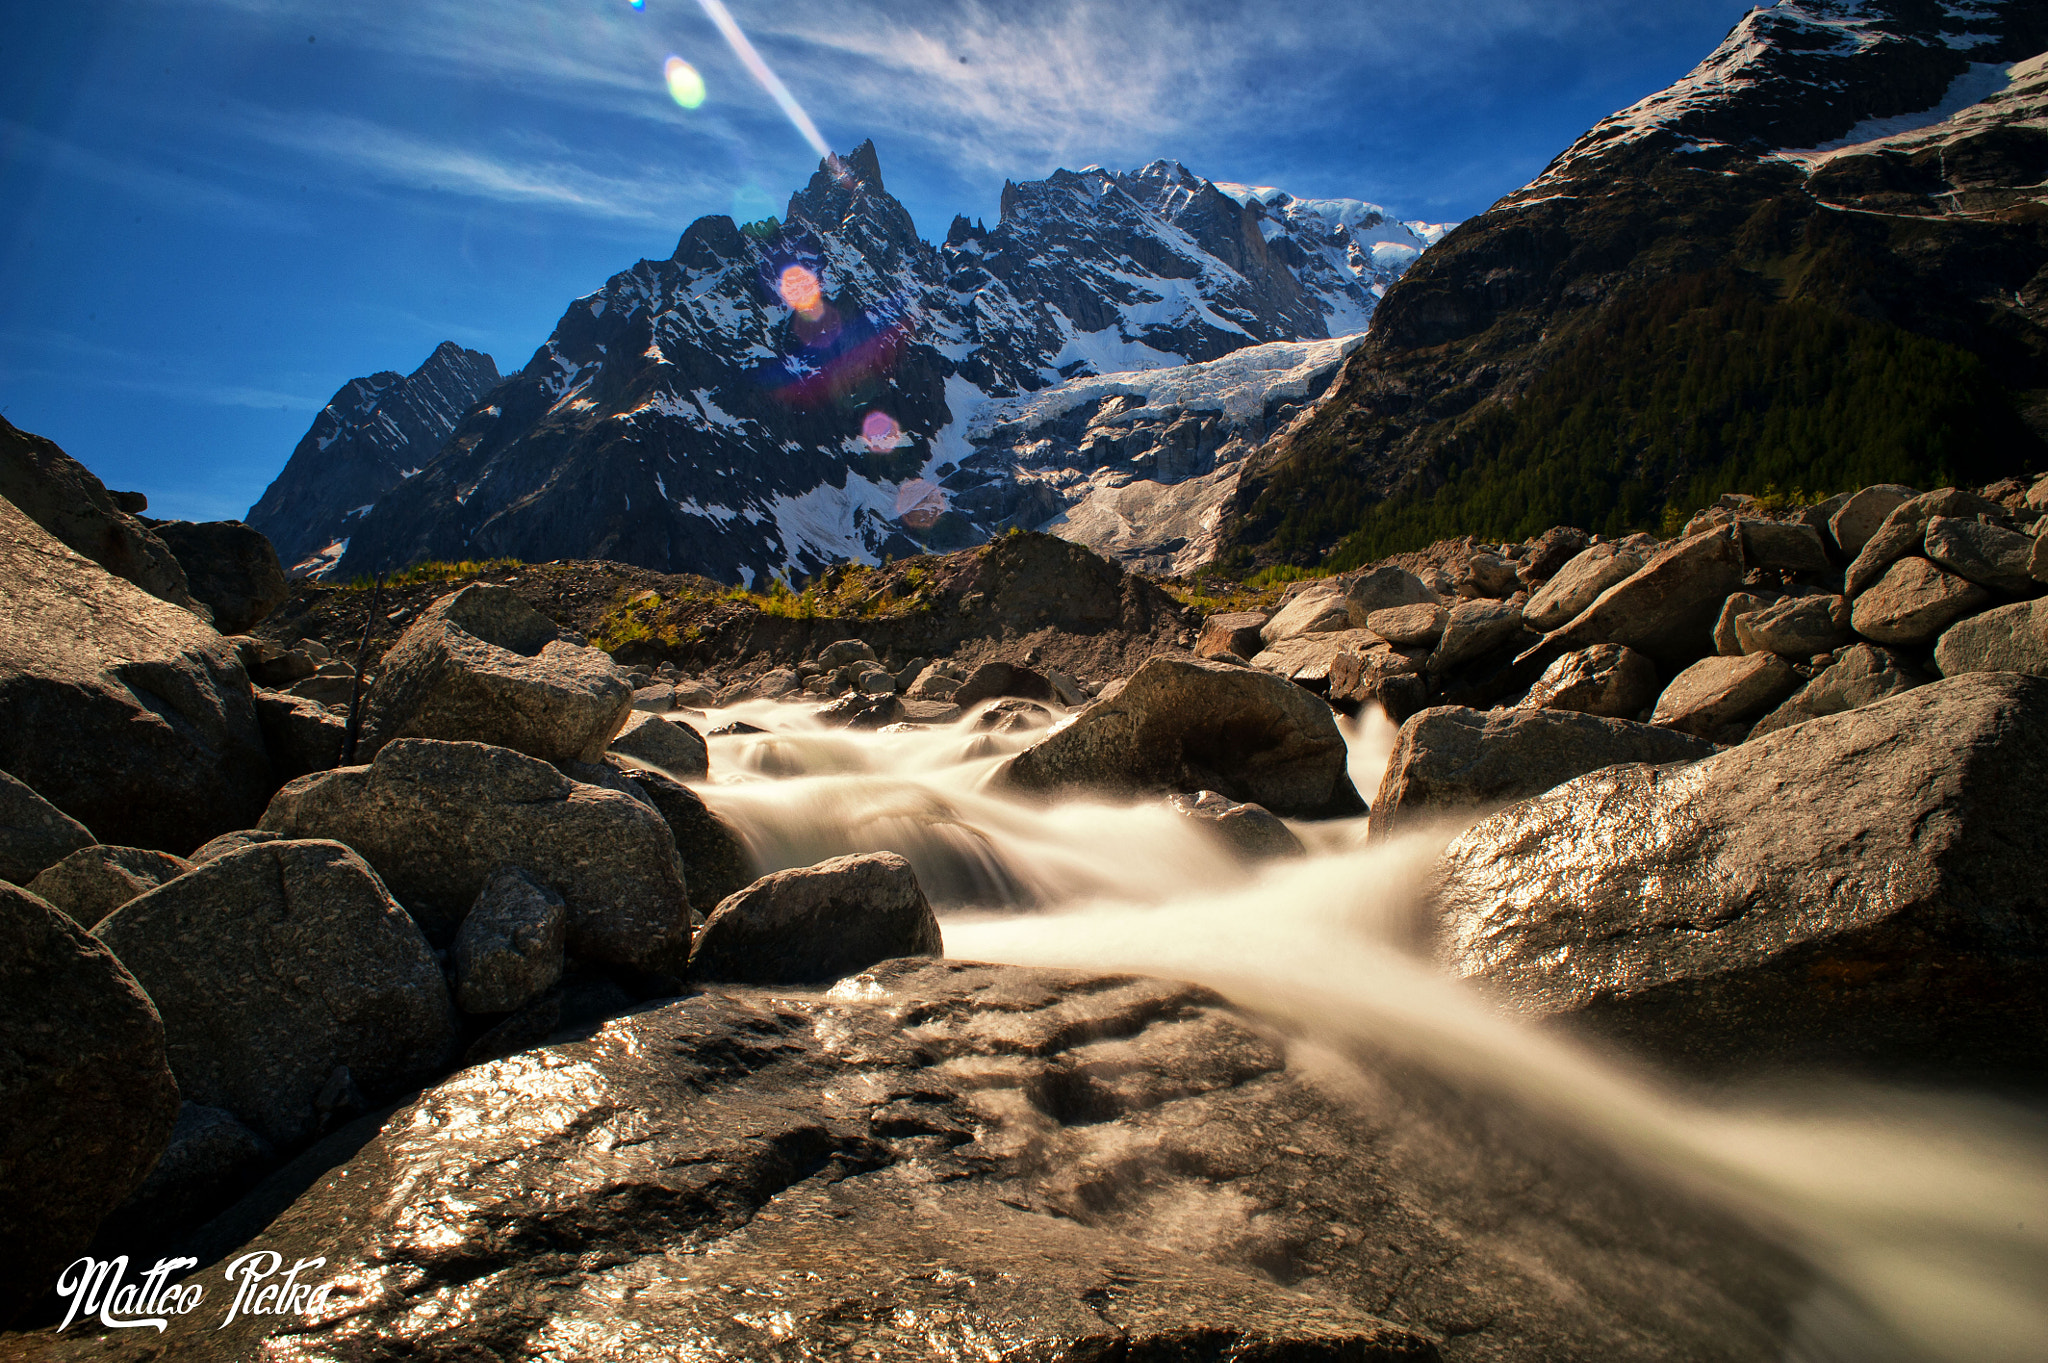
(801,292)
(719,15)
(919,503)
(880,430)
(685,86)
(637,4)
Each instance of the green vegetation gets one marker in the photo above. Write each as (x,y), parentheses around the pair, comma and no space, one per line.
(1694,387)
(438,570)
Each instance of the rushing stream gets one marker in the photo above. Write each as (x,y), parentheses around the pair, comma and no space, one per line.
(1925,1213)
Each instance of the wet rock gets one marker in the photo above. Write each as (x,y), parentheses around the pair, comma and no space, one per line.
(777,683)
(1864,889)
(34,834)
(1904,532)
(993,680)
(843,651)
(1862,674)
(1795,627)
(522,1031)
(480,665)
(132,716)
(1720,697)
(300,735)
(1579,583)
(1013,716)
(716,862)
(230,567)
(860,712)
(1099,1167)
(1988,555)
(929,712)
(1450,760)
(232,842)
(89,1096)
(1409,626)
(1474,629)
(1784,546)
(1606,680)
(1251,833)
(1231,632)
(1914,602)
(1181,724)
(94,881)
(509,949)
(211,1160)
(1863,513)
(437,819)
(1666,609)
(666,743)
(2005,639)
(1378,675)
(818,924)
(273,967)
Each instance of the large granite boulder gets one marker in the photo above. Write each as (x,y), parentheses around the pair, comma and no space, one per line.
(1249,832)
(1579,583)
(1667,608)
(943,1161)
(2004,639)
(1864,889)
(1857,519)
(1606,679)
(1914,602)
(818,923)
(1231,632)
(131,715)
(1862,674)
(1783,546)
(1181,724)
(275,968)
(1720,697)
(94,881)
(1905,532)
(86,1088)
(1474,629)
(61,495)
(1986,554)
(1310,658)
(480,665)
(438,819)
(230,567)
(995,679)
(509,950)
(669,744)
(1799,627)
(34,834)
(716,862)
(301,735)
(1448,760)
(1318,608)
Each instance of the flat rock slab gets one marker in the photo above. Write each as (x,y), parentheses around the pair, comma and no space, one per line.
(952,1162)
(1579,584)
(1667,608)
(1864,889)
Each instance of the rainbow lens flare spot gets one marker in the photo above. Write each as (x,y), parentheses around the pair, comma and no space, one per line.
(637,4)
(919,503)
(685,86)
(880,430)
(801,292)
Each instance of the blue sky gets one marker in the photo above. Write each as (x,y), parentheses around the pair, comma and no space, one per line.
(219,211)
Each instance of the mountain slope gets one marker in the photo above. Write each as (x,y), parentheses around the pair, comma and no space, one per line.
(373,434)
(781,396)
(1813,261)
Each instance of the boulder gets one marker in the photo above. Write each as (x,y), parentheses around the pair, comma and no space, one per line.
(666,743)
(1473,629)
(855,711)
(1452,761)
(1318,609)
(132,716)
(89,1096)
(843,651)
(1783,546)
(1726,640)
(776,683)
(1865,890)
(1862,674)
(1181,724)
(2037,559)
(928,712)
(1860,516)
(656,699)
(1988,555)
(1667,608)
(2004,639)
(1231,632)
(1013,716)
(1795,627)
(876,682)
(819,923)
(716,862)
(94,881)
(275,968)
(1309,658)
(509,949)
(1409,626)
(906,676)
(933,684)
(59,494)
(437,819)
(1251,833)
(1905,531)
(1914,602)
(480,665)
(1378,675)
(992,680)
(230,567)
(211,1160)
(1545,555)
(1382,589)
(34,834)
(1578,584)
(1606,680)
(300,735)
(333,686)
(1719,697)
(232,842)
(1486,574)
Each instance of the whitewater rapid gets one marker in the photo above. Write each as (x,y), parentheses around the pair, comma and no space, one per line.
(1924,1214)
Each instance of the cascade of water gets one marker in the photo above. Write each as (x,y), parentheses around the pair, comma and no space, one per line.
(1926,1214)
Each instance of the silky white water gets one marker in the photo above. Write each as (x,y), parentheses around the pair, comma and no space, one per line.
(1924,1214)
